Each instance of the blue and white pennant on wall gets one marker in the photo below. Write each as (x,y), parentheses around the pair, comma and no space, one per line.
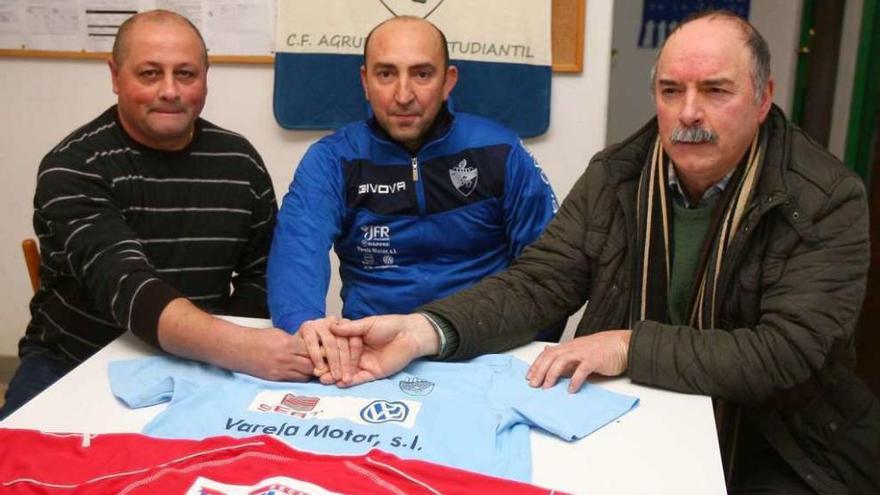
(659,17)
(501,48)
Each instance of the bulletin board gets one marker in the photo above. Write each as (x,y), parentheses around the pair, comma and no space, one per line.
(238,31)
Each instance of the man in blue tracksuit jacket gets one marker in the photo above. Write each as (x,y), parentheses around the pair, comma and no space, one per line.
(418,201)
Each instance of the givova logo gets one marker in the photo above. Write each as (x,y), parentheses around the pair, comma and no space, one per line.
(381,188)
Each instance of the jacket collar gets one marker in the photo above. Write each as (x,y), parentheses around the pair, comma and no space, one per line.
(624,161)
(772,186)
(439,128)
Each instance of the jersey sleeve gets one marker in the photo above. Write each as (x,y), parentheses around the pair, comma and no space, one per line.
(529,201)
(154,380)
(555,410)
(309,222)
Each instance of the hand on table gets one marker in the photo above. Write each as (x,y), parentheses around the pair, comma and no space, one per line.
(603,353)
(273,354)
(389,343)
(268,353)
(336,357)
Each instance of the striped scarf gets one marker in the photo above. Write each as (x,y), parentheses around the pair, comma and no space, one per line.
(654,256)
(653,263)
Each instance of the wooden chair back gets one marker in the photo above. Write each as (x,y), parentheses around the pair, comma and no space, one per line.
(32,261)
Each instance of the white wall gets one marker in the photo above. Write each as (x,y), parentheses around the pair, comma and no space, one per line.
(630,103)
(846,70)
(46,100)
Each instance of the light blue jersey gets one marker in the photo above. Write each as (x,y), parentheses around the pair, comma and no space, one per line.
(474,415)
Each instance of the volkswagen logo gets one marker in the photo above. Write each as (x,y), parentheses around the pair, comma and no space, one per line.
(383,411)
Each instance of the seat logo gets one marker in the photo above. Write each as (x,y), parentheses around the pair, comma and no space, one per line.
(302,403)
(383,411)
(464,178)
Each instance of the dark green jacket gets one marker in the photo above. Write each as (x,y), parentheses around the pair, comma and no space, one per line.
(790,292)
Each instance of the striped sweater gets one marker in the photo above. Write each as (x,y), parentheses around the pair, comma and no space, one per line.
(124,229)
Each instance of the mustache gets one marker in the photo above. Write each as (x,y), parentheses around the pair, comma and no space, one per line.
(692,134)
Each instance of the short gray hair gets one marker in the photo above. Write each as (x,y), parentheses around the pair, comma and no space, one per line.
(756,44)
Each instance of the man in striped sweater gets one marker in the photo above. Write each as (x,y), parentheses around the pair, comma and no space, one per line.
(149,219)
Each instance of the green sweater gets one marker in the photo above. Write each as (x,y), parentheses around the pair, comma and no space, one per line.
(689,226)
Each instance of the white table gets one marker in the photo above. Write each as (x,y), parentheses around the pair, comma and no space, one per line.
(666,445)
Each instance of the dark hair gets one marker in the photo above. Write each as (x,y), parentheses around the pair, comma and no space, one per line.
(757,45)
(443,41)
(158,15)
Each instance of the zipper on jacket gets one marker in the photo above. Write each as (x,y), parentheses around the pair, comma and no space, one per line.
(420,193)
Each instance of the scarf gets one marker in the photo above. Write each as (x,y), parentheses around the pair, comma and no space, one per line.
(653,259)
(653,253)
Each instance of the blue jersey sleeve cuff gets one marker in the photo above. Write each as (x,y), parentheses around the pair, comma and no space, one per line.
(291,322)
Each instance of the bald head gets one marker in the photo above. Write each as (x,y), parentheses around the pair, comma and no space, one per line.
(406,77)
(121,44)
(439,36)
(759,52)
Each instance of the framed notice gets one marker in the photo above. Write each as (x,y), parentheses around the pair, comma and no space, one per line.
(242,29)
(236,31)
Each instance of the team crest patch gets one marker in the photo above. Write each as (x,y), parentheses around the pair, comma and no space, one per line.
(464,178)
(277,489)
(383,411)
(419,8)
(277,485)
(413,385)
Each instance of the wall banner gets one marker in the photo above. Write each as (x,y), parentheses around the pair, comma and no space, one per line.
(501,48)
(659,17)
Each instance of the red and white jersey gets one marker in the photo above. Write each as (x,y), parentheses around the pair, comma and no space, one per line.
(33,462)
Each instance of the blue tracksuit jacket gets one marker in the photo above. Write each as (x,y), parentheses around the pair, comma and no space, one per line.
(407,228)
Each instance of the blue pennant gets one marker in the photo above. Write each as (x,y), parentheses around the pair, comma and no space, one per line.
(659,17)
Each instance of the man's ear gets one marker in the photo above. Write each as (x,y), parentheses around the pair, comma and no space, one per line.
(767,99)
(364,82)
(114,75)
(451,80)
